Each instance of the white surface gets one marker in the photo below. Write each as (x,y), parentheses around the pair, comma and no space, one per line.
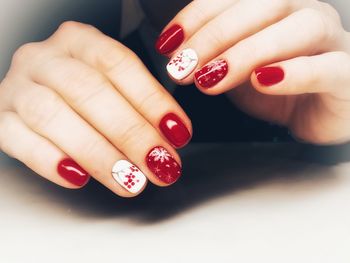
(264,205)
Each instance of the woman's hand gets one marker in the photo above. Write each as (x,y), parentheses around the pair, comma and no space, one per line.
(83,96)
(295,52)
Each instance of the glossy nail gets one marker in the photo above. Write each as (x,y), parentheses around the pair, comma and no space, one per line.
(269,76)
(170,40)
(211,74)
(182,64)
(174,130)
(128,176)
(72,172)
(163,165)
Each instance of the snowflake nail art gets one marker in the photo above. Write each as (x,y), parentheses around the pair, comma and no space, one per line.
(163,165)
(128,176)
(182,64)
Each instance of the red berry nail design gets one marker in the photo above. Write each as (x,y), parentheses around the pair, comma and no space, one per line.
(182,64)
(128,176)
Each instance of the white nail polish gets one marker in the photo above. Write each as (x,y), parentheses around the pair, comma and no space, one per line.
(182,64)
(128,176)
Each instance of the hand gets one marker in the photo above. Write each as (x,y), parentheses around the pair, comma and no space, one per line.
(81,104)
(296,54)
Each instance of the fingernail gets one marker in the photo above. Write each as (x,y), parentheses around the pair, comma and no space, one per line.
(170,40)
(128,176)
(269,76)
(174,130)
(72,172)
(163,165)
(211,74)
(182,64)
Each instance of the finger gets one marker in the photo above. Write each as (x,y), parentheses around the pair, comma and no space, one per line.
(95,99)
(231,26)
(47,114)
(323,80)
(129,76)
(326,73)
(278,42)
(187,22)
(37,153)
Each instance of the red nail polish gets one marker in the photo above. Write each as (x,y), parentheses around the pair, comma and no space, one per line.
(170,40)
(163,165)
(174,130)
(72,172)
(211,74)
(269,76)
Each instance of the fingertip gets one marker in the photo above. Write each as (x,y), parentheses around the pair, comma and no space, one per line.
(268,80)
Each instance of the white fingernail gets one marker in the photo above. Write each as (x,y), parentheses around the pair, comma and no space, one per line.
(128,176)
(182,64)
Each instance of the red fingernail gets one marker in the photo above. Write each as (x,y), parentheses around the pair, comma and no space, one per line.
(163,165)
(211,74)
(269,76)
(72,172)
(170,40)
(175,130)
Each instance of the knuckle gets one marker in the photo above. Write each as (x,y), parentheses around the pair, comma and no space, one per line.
(26,53)
(279,7)
(116,59)
(216,35)
(131,134)
(321,28)
(83,85)
(94,147)
(68,27)
(84,97)
(71,29)
(41,109)
(331,11)
(150,100)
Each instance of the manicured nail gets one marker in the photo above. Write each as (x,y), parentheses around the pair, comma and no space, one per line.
(269,76)
(170,40)
(72,172)
(182,64)
(163,165)
(211,74)
(174,130)
(128,176)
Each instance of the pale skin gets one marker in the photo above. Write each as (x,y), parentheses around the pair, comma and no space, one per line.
(84,95)
(303,37)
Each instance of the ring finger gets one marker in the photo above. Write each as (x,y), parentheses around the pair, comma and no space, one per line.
(93,97)
(47,114)
(280,41)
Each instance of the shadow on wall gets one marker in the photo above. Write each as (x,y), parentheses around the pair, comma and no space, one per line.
(210,171)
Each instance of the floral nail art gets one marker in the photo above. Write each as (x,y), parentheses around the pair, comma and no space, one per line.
(128,176)
(182,64)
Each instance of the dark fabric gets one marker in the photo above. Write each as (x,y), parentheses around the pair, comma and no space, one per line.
(215,119)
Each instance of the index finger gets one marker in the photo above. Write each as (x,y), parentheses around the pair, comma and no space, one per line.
(129,76)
